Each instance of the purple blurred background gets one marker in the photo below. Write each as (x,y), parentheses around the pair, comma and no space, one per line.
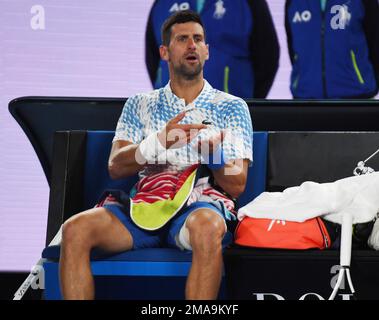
(92,48)
(87,48)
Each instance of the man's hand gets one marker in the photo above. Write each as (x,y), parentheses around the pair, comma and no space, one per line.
(209,146)
(175,135)
(232,176)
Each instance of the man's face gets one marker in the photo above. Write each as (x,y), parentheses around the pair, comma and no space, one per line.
(187,51)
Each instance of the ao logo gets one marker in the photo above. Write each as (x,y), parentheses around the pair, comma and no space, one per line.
(179,7)
(305,16)
(218,13)
(340,19)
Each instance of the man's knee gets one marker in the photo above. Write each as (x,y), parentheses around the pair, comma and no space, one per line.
(79,229)
(206,229)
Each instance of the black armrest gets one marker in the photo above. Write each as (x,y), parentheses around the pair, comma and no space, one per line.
(66,189)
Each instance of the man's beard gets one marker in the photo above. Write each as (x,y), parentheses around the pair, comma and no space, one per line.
(187,72)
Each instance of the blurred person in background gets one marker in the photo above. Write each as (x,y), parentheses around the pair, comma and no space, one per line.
(242,41)
(334,48)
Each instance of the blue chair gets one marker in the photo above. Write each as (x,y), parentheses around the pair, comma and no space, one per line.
(120,275)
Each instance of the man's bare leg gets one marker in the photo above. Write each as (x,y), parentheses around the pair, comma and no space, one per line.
(206,231)
(92,228)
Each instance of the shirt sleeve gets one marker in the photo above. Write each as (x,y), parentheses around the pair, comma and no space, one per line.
(129,126)
(238,141)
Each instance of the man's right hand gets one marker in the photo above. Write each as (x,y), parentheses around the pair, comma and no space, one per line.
(175,135)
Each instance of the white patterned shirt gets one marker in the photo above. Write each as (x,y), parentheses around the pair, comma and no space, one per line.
(146,113)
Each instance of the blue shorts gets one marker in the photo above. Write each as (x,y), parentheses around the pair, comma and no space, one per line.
(164,237)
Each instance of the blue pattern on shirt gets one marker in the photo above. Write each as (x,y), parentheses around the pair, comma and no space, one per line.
(146,113)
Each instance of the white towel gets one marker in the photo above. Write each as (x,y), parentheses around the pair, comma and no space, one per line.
(357,195)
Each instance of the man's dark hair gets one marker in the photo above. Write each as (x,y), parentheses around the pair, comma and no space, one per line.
(178,17)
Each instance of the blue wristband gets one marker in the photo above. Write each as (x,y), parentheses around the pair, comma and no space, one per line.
(216,159)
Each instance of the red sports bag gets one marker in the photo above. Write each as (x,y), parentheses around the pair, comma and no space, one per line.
(280,234)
